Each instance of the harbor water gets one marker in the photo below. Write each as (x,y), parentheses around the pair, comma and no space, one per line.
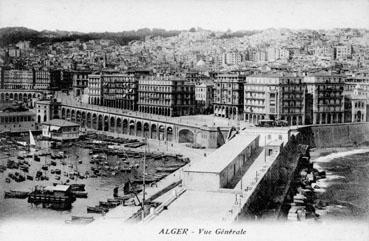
(78,159)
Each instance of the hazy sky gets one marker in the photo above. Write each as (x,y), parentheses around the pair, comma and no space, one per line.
(119,15)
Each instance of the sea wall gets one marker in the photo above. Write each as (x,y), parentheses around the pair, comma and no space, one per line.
(336,135)
(272,189)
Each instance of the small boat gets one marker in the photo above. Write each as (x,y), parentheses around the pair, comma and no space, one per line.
(97,209)
(122,198)
(38,173)
(57,171)
(80,220)
(80,194)
(16,194)
(77,187)
(45,167)
(80,161)
(107,204)
(29,177)
(167,169)
(36,158)
(53,163)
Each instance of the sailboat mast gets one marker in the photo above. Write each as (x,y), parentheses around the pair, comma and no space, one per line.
(143,182)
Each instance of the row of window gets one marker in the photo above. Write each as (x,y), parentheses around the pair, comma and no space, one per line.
(11,119)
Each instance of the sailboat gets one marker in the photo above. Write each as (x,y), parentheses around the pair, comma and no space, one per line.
(32,142)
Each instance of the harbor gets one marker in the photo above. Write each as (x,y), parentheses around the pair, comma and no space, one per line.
(110,173)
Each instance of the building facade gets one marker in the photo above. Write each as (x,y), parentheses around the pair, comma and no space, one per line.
(60,130)
(80,82)
(326,91)
(42,80)
(18,79)
(94,89)
(204,96)
(119,91)
(228,95)
(356,105)
(47,110)
(166,95)
(274,98)
(23,121)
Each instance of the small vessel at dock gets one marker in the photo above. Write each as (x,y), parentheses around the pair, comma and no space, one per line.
(80,220)
(16,194)
(97,209)
(80,194)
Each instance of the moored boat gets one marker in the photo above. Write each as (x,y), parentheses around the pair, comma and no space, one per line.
(16,194)
(97,209)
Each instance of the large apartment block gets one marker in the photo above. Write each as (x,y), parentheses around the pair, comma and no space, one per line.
(119,91)
(326,92)
(166,95)
(228,95)
(273,97)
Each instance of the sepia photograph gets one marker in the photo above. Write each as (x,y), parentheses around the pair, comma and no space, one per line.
(184,120)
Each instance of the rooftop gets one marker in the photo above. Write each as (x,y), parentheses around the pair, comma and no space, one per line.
(58,188)
(61,123)
(219,159)
(21,113)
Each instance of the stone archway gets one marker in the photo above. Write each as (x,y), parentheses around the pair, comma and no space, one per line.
(131,128)
(146,130)
(73,117)
(185,136)
(112,124)
(169,133)
(89,120)
(68,114)
(153,132)
(100,123)
(63,113)
(161,132)
(106,123)
(119,125)
(83,119)
(138,128)
(125,126)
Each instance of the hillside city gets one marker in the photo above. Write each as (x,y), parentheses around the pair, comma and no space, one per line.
(298,76)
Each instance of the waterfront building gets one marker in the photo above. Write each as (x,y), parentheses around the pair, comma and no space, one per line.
(60,130)
(166,95)
(274,97)
(119,91)
(228,95)
(42,80)
(326,91)
(356,105)
(95,89)
(17,121)
(47,110)
(204,96)
(18,79)
(219,170)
